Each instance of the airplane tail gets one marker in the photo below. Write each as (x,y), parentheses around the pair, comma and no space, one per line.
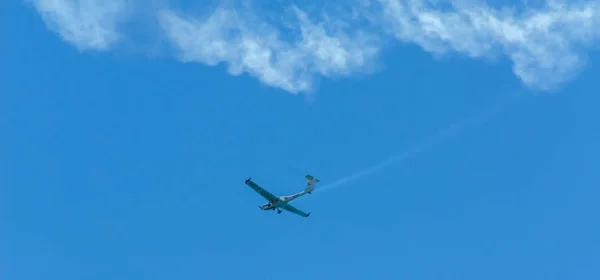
(310,185)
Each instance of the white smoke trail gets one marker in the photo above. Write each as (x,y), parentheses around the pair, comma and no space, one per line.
(439,137)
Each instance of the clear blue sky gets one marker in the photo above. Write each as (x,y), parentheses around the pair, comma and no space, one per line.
(119,161)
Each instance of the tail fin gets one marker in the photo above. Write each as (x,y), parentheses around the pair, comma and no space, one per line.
(310,185)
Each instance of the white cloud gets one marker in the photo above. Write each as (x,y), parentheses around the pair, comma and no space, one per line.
(546,43)
(87,24)
(249,45)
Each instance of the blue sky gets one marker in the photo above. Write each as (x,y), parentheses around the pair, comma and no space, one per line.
(129,130)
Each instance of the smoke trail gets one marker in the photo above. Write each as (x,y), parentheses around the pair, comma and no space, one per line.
(440,136)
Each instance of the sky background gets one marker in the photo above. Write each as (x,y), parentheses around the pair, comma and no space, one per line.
(120,161)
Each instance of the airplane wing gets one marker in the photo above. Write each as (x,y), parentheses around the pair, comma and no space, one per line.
(267,195)
(293,210)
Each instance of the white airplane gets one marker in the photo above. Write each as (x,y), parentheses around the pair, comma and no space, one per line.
(282,202)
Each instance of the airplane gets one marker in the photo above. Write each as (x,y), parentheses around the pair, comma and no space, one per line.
(282,202)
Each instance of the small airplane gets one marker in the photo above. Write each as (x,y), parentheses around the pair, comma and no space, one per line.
(282,202)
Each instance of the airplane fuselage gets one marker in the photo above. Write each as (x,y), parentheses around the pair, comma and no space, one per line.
(277,202)
(268,206)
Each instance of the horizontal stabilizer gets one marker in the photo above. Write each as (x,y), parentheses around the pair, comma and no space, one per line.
(311,178)
(310,185)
